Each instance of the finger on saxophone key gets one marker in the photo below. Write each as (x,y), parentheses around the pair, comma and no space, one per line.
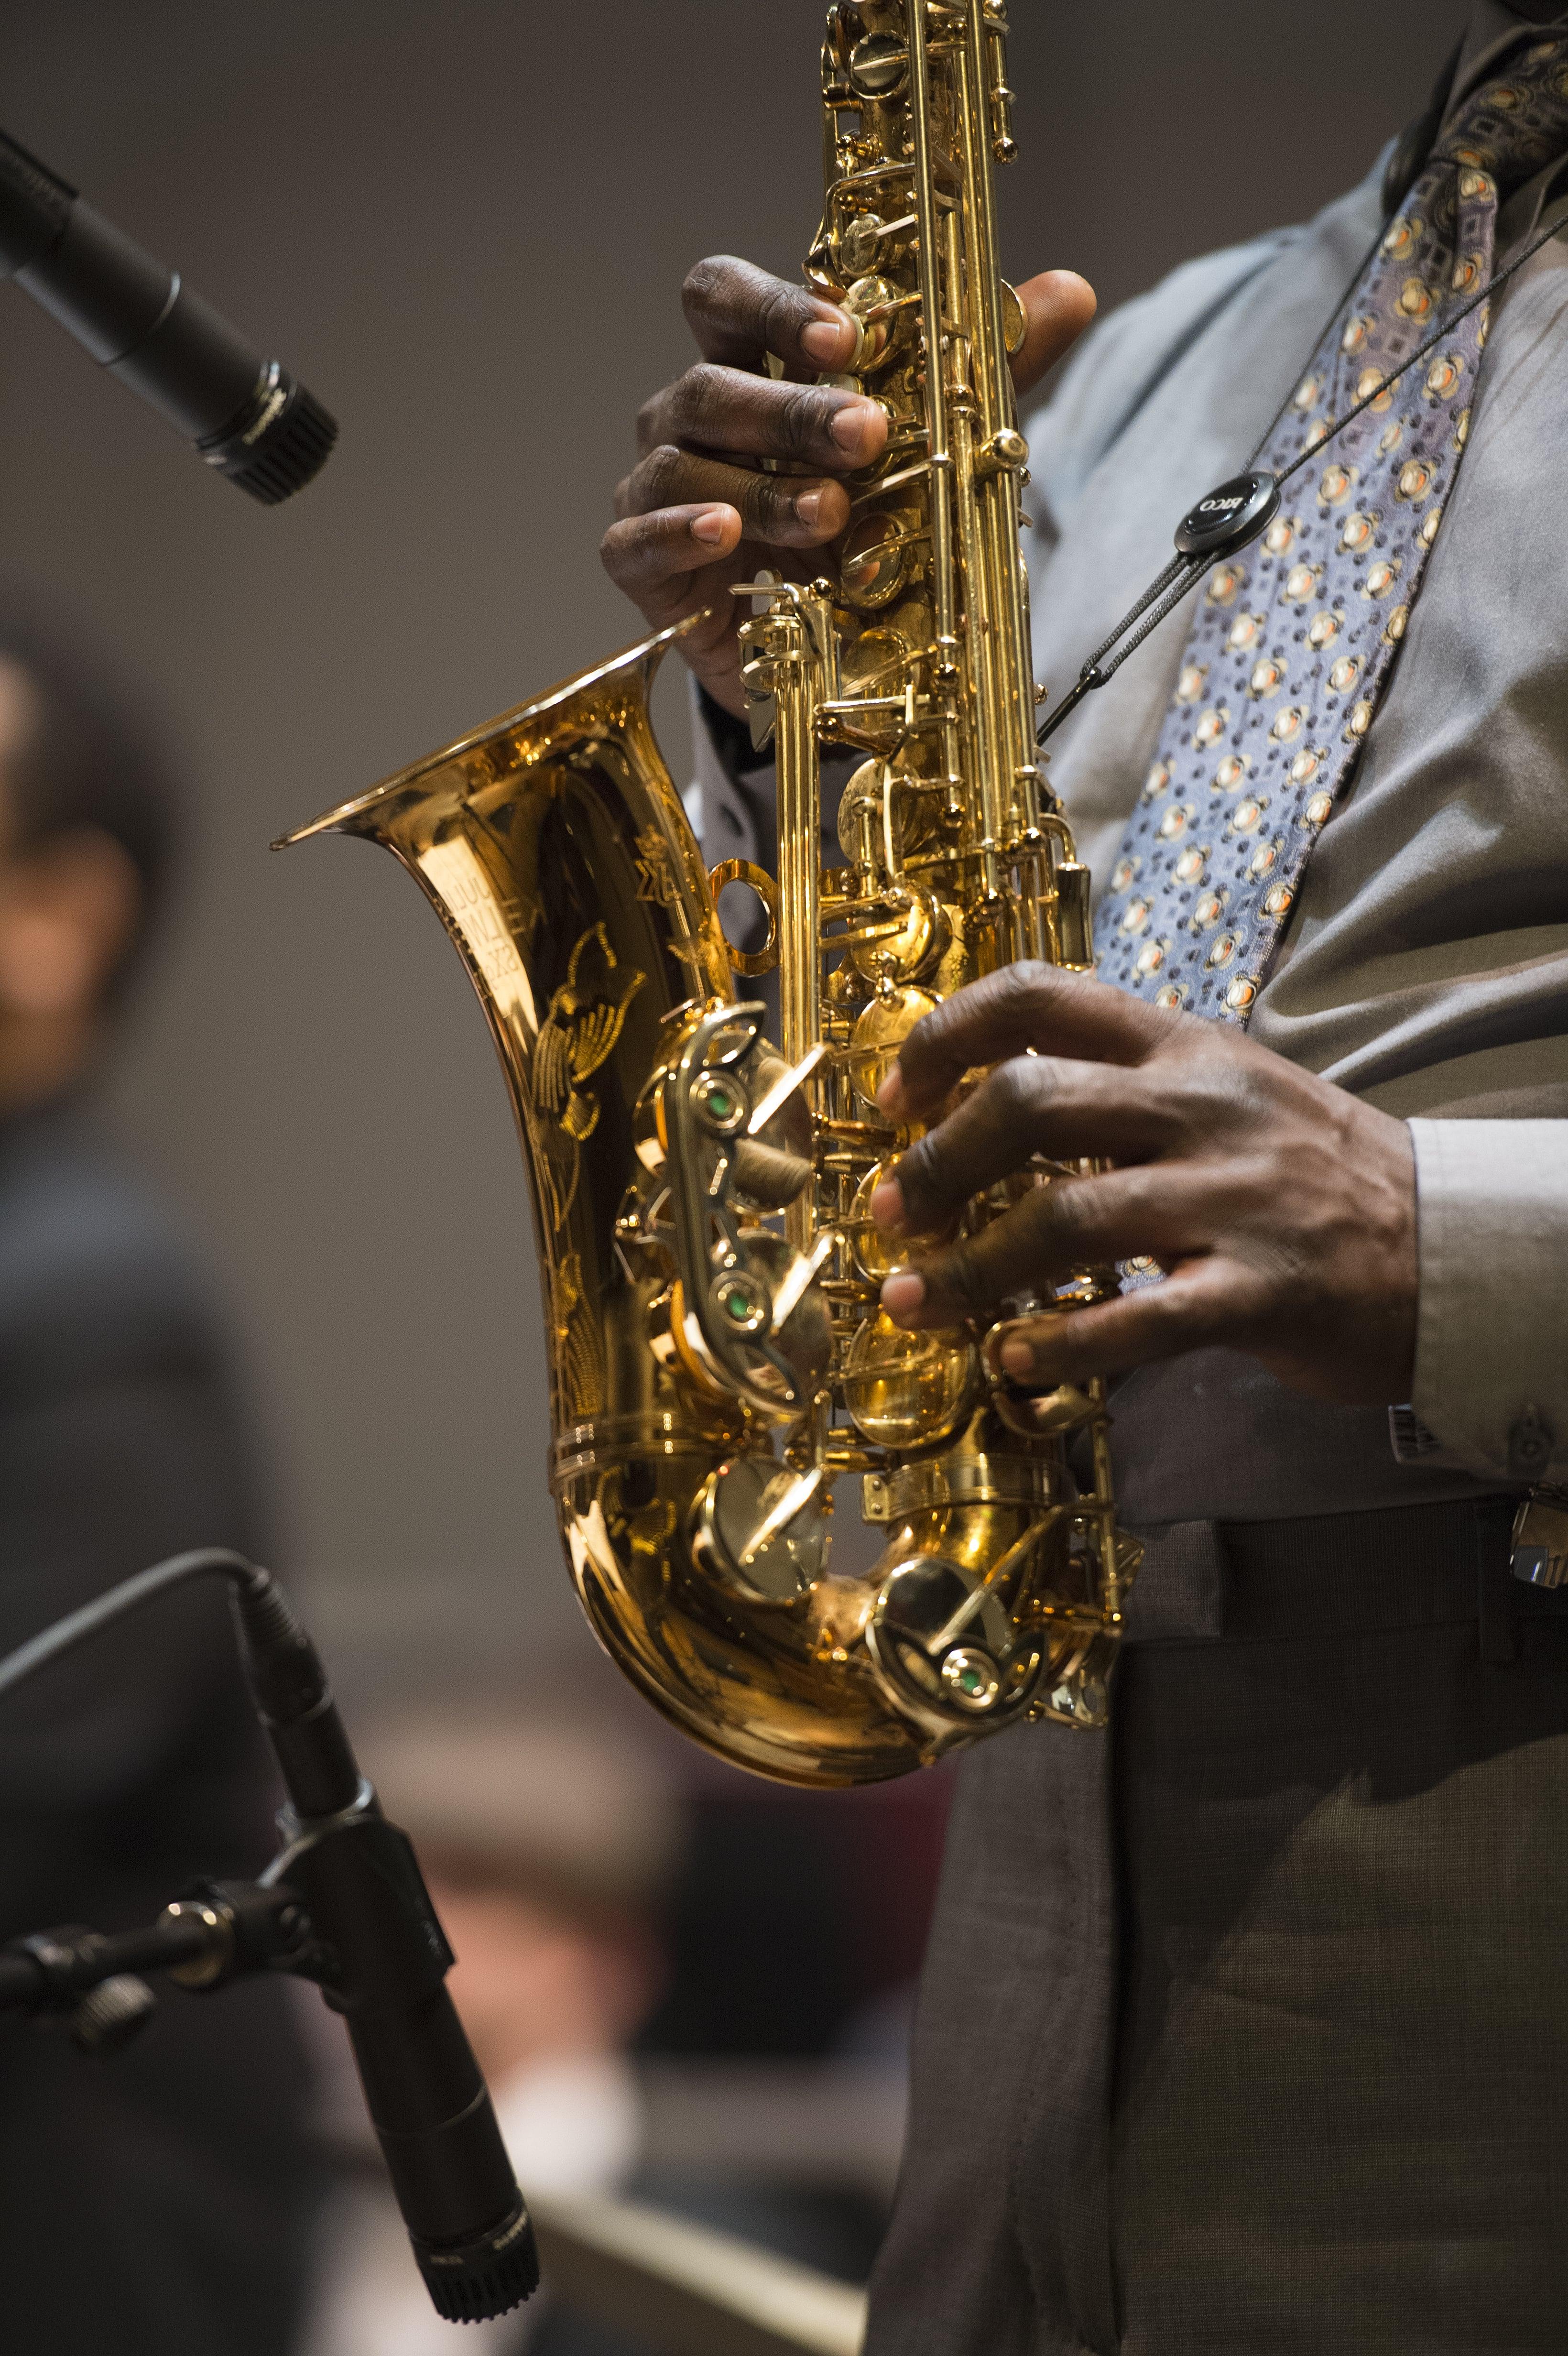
(739,314)
(724,413)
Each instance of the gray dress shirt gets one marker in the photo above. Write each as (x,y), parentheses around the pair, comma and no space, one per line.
(1427,964)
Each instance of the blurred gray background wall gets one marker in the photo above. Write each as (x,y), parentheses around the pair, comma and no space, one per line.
(464,222)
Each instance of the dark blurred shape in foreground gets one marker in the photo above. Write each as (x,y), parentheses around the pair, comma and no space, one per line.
(157,2203)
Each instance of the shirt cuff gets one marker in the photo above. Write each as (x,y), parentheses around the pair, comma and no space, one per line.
(730,737)
(731,800)
(1492,1352)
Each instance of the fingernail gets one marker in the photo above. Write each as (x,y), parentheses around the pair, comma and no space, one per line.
(826,340)
(888,1203)
(902,1292)
(1031,1355)
(890,1096)
(808,509)
(851,425)
(710,525)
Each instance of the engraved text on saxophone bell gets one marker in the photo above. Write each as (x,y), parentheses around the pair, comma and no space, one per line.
(659,886)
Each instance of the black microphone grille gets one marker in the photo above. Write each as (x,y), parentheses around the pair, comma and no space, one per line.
(279,442)
(485,2277)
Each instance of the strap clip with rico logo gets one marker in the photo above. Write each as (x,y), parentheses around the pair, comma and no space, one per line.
(1228,518)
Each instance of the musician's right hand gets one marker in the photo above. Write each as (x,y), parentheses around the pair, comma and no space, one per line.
(698,511)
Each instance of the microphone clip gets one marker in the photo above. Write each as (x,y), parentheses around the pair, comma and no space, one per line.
(374,1936)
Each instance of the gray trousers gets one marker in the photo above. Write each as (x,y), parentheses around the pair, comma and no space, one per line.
(1244,2027)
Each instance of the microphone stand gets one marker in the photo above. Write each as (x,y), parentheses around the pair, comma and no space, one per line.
(94,1981)
(344,1904)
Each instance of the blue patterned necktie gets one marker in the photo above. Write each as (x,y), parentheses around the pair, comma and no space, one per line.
(1294,640)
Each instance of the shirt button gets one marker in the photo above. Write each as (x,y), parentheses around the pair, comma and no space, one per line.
(1530,1442)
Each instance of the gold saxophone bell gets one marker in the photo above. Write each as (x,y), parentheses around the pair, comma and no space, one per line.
(719,1355)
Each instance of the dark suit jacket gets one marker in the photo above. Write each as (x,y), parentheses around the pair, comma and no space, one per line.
(159,2200)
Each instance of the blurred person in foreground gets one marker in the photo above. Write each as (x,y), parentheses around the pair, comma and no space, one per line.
(548,1850)
(156,2202)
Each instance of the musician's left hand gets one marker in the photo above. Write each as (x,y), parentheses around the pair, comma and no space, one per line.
(1281,1208)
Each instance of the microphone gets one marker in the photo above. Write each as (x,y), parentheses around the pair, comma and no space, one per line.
(384,1970)
(247,416)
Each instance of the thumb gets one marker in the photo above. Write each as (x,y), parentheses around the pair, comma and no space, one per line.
(1057,305)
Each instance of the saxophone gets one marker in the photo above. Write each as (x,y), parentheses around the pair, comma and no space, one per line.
(718,1357)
